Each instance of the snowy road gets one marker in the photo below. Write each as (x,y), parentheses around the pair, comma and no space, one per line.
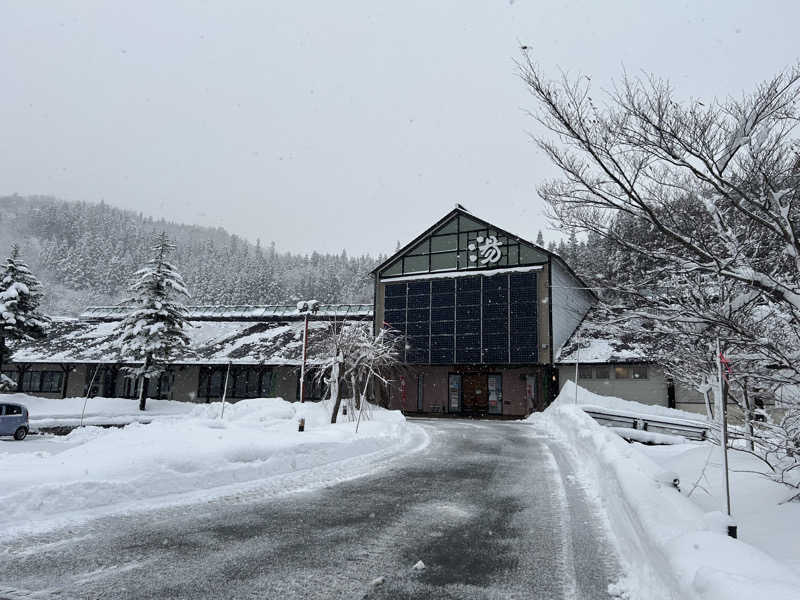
(490,508)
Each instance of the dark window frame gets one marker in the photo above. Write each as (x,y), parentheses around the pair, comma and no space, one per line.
(620,368)
(465,233)
(602,372)
(212,379)
(52,381)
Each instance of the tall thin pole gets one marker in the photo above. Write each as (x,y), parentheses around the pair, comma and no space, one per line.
(577,360)
(88,391)
(363,402)
(723,419)
(303,367)
(225,391)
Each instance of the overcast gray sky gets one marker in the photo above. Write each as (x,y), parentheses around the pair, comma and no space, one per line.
(329,125)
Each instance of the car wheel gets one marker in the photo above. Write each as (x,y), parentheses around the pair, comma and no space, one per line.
(20,434)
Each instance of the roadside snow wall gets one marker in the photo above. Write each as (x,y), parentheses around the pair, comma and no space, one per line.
(669,547)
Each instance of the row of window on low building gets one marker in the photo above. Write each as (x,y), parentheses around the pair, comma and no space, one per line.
(37,381)
(606,371)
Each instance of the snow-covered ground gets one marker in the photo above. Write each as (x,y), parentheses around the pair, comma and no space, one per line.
(609,403)
(757,503)
(49,412)
(188,454)
(676,546)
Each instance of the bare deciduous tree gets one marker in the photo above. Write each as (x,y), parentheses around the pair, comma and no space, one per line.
(702,201)
(355,358)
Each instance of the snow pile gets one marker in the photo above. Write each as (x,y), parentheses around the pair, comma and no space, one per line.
(587,399)
(255,448)
(758,504)
(647,437)
(655,525)
(50,412)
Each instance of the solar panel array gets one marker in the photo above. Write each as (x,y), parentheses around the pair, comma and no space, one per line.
(466,320)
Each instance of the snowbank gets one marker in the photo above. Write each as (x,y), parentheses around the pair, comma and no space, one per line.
(654,524)
(758,504)
(566,397)
(50,412)
(193,457)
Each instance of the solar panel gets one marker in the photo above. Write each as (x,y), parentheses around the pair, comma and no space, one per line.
(466,319)
(523,316)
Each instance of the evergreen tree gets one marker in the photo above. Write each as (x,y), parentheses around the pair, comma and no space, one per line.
(573,249)
(540,239)
(153,331)
(20,296)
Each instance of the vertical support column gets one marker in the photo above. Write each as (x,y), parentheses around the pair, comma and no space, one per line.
(508,313)
(481,321)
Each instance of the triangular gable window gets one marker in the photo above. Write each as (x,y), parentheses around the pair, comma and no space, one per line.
(464,244)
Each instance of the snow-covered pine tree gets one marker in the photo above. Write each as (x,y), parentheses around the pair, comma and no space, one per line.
(154,329)
(20,296)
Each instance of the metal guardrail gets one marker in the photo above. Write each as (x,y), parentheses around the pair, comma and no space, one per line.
(692,430)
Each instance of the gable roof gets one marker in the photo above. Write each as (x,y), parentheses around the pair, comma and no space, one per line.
(598,339)
(461,211)
(458,210)
(272,312)
(210,342)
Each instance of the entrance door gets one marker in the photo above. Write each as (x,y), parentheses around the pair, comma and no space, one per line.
(530,393)
(475,395)
(454,393)
(495,394)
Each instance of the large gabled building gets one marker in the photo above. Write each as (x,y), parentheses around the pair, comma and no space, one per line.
(482,312)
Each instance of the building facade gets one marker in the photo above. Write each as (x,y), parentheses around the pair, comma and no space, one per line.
(612,362)
(241,351)
(480,310)
(492,326)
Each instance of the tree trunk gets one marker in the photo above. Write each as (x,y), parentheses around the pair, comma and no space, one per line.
(748,423)
(338,400)
(382,396)
(143,385)
(142,399)
(354,392)
(336,393)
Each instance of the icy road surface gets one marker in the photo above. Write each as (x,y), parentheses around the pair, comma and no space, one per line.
(490,508)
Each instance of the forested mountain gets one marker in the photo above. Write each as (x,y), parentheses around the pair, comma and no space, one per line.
(85,253)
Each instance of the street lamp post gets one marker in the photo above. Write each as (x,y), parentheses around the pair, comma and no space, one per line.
(306,307)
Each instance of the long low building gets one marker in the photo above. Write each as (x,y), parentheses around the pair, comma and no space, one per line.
(257,348)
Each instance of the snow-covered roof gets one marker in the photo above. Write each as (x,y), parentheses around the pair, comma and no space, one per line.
(211,342)
(599,339)
(273,312)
